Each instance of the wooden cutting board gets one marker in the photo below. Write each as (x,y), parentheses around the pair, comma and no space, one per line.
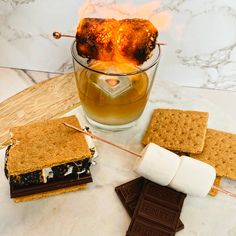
(50,98)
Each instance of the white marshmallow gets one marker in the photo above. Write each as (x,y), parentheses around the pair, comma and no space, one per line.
(157,164)
(193,177)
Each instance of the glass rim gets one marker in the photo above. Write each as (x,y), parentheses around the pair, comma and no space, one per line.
(75,57)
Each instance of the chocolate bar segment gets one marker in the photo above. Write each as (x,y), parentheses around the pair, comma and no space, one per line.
(158,214)
(164,196)
(129,194)
(141,227)
(16,191)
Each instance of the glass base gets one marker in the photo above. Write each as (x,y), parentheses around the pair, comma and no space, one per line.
(110,127)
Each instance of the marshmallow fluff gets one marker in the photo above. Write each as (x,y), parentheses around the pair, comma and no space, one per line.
(157,164)
(193,177)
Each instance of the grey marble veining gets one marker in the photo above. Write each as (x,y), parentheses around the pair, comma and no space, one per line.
(36,76)
(13,81)
(200,35)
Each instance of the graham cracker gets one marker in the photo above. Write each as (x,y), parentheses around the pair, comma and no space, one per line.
(213,192)
(177,130)
(220,152)
(50,193)
(46,144)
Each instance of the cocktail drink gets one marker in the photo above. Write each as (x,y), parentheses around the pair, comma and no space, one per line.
(113,95)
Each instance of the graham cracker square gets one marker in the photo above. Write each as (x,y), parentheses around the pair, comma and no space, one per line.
(46,144)
(177,130)
(220,152)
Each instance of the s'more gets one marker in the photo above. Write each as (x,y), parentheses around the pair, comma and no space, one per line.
(48,158)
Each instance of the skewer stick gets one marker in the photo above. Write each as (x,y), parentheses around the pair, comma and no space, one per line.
(103,140)
(224,191)
(58,35)
(134,153)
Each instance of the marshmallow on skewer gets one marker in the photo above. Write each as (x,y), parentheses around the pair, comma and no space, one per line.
(184,174)
(193,177)
(157,164)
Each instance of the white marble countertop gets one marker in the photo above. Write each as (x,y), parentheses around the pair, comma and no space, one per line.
(97,210)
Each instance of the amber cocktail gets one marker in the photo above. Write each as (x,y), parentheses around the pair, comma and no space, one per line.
(113,95)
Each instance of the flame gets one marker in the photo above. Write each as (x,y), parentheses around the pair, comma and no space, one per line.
(152,11)
(162,20)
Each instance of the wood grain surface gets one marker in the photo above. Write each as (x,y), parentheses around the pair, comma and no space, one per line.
(50,98)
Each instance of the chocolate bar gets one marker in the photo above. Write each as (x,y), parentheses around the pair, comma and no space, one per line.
(157,212)
(130,192)
(19,191)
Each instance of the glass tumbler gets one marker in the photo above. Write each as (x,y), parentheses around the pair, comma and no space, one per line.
(113,95)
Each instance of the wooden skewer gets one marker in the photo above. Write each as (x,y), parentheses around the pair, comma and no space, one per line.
(161,44)
(224,191)
(134,153)
(58,35)
(103,140)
